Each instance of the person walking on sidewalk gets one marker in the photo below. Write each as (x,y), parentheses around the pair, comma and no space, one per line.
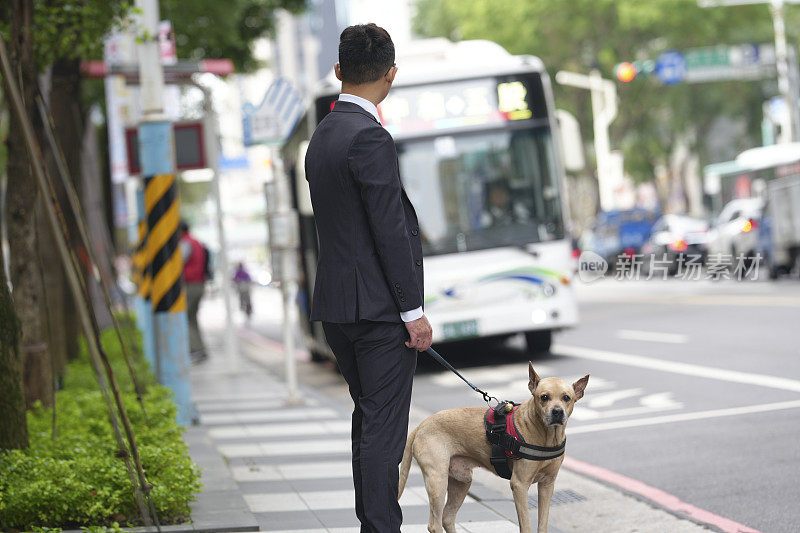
(369,281)
(195,272)
(243,281)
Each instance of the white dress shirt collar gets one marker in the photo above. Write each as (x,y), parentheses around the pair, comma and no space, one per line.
(361,102)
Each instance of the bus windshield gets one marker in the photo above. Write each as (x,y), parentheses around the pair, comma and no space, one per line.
(474,191)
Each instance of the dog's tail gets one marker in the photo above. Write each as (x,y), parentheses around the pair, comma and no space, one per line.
(405,465)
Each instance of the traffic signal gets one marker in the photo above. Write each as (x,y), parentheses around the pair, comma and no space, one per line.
(627,71)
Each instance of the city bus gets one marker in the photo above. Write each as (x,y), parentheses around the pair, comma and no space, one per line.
(478,150)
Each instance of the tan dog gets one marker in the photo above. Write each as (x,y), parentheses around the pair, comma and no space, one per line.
(449,444)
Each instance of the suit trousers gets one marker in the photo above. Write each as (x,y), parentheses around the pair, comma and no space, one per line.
(379,370)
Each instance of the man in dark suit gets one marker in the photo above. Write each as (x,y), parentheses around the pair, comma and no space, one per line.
(369,288)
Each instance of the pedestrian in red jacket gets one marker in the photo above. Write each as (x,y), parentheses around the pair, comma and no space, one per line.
(195,259)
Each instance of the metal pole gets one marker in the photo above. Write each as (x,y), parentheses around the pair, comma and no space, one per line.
(157,156)
(794,93)
(212,153)
(289,290)
(604,111)
(287,249)
(788,128)
(601,142)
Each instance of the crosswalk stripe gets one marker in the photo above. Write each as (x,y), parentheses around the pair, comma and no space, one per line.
(284,447)
(277,403)
(299,471)
(325,500)
(244,417)
(316,427)
(238,397)
(493,526)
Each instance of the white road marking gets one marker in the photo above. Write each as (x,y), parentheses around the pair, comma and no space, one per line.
(244,405)
(687,369)
(609,398)
(307,427)
(276,415)
(498,526)
(325,500)
(652,336)
(299,470)
(685,417)
(286,447)
(518,390)
(490,374)
(649,404)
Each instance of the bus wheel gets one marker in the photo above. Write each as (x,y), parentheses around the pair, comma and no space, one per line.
(539,341)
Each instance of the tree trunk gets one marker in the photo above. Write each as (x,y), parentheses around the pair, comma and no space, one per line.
(13,425)
(68,118)
(21,195)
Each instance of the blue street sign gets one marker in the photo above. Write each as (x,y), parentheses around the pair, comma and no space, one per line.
(275,117)
(670,67)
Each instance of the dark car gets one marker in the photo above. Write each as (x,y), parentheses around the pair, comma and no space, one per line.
(677,238)
(621,232)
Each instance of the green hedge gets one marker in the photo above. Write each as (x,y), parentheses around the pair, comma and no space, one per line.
(77,480)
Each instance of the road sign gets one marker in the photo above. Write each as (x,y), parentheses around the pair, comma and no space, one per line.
(738,62)
(670,67)
(274,119)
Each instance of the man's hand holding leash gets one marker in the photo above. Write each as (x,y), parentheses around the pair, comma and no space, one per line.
(420,334)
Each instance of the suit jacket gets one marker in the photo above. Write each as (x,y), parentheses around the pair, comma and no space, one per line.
(370,252)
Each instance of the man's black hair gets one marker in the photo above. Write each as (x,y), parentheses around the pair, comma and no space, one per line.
(183,227)
(366,52)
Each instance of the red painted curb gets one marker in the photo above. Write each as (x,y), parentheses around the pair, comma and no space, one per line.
(658,496)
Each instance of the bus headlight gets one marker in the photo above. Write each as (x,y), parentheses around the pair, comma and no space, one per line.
(539,316)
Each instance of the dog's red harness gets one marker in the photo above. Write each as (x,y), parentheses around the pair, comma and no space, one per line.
(508,444)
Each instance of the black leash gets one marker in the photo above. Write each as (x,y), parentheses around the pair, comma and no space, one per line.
(442,361)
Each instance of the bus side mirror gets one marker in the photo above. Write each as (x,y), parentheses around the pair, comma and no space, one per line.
(571,141)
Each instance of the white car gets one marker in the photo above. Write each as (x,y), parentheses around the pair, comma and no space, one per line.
(735,230)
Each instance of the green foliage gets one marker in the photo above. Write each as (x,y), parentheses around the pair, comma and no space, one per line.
(74,29)
(224,29)
(77,479)
(579,35)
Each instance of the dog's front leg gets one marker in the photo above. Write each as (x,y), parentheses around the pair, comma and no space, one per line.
(519,489)
(545,495)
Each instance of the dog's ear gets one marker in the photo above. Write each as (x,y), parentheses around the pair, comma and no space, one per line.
(580,386)
(533,378)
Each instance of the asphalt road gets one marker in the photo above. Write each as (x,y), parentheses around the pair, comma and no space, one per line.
(694,389)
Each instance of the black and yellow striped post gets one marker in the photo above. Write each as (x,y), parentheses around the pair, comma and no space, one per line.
(163,255)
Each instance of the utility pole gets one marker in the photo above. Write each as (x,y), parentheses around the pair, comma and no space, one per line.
(284,241)
(787,84)
(210,137)
(604,111)
(163,255)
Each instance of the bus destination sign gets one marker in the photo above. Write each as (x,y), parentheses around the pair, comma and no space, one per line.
(457,105)
(462,104)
